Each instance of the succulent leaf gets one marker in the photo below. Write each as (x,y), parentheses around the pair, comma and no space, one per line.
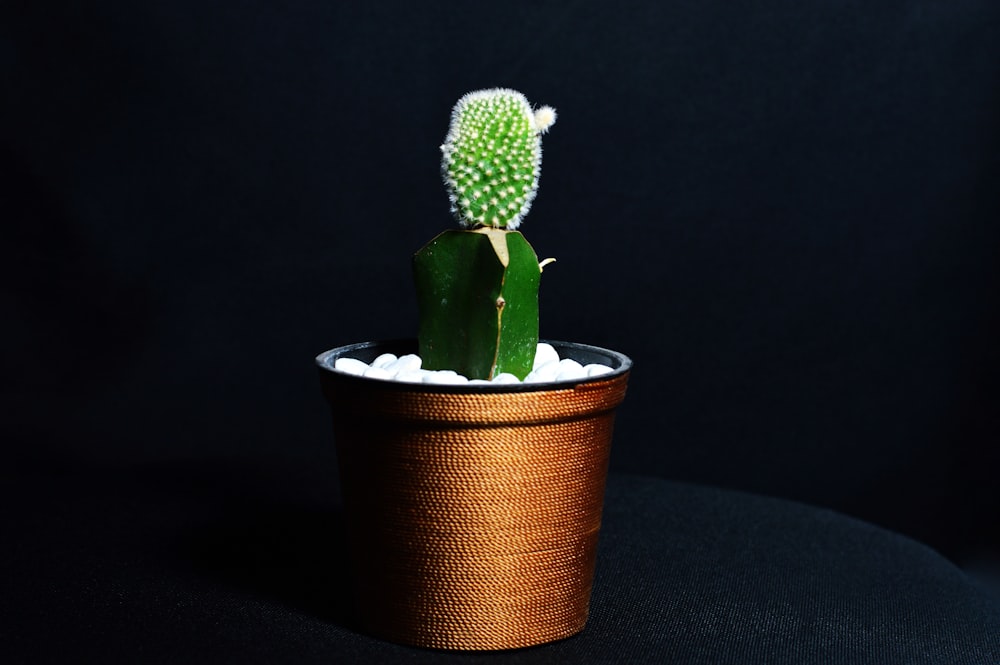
(477,292)
(491,157)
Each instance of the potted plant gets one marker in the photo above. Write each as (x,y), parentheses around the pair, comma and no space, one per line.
(473,459)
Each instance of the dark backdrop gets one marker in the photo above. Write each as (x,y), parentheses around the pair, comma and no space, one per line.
(785,212)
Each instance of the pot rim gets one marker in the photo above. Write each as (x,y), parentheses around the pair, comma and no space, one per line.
(620,364)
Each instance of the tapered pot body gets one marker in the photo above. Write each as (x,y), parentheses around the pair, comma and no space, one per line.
(473,511)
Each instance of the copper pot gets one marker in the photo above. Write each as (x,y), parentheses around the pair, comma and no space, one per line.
(473,511)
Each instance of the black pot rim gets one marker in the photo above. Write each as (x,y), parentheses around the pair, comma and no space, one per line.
(619,363)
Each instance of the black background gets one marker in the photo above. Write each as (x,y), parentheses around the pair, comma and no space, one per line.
(786,213)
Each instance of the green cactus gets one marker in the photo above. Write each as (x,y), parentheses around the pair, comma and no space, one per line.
(477,288)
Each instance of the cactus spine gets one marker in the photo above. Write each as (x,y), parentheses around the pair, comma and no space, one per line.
(477,288)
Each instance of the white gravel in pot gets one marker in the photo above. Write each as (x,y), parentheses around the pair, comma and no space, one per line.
(548,367)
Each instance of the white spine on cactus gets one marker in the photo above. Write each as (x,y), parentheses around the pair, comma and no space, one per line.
(489,184)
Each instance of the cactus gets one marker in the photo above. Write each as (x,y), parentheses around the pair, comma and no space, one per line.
(477,288)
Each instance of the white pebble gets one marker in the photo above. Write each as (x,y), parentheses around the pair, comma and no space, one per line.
(445,377)
(384,360)
(411,375)
(570,369)
(544,354)
(543,373)
(350,366)
(377,373)
(408,369)
(594,369)
(478,382)
(407,363)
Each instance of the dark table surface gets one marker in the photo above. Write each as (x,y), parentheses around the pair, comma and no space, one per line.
(242,561)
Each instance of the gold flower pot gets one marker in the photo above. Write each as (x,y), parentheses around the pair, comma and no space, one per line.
(473,511)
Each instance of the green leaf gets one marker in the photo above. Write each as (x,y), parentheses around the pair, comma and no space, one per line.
(477,292)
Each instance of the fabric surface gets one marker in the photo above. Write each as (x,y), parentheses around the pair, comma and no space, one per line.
(243,562)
